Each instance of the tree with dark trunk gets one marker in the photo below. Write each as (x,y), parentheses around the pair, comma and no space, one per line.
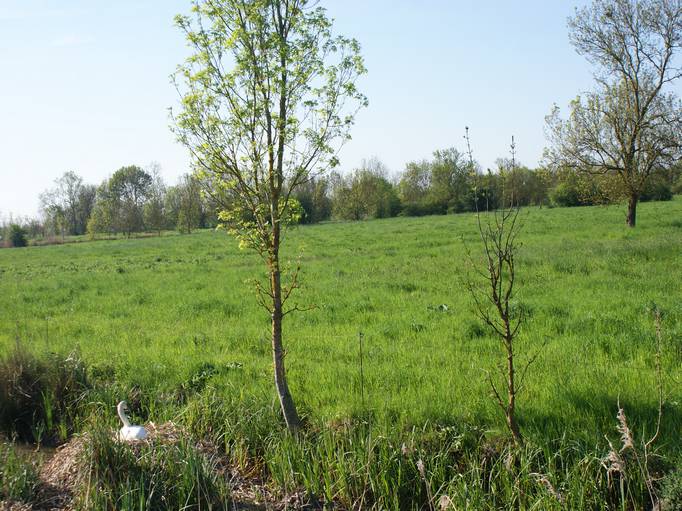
(632,124)
(268,97)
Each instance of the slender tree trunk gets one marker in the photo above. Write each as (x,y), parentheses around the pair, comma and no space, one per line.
(286,401)
(631,219)
(511,397)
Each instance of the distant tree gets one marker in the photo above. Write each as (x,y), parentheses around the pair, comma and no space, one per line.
(543,182)
(450,183)
(189,204)
(269,94)
(632,123)
(415,182)
(172,206)
(673,176)
(67,206)
(658,187)
(521,185)
(566,195)
(366,193)
(34,228)
(87,196)
(129,188)
(106,214)
(154,207)
(56,220)
(17,236)
(437,186)
(315,201)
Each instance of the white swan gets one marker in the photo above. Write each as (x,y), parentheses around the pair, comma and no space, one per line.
(128,432)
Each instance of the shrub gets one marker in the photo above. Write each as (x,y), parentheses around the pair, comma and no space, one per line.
(565,195)
(17,236)
(423,209)
(38,397)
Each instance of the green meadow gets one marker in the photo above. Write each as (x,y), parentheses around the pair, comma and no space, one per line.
(151,313)
(388,367)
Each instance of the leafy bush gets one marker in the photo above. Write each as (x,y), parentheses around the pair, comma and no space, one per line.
(18,478)
(17,236)
(422,209)
(38,397)
(565,195)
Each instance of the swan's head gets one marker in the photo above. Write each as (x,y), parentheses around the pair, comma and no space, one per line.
(122,407)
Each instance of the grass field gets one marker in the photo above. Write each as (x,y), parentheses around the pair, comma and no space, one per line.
(155,316)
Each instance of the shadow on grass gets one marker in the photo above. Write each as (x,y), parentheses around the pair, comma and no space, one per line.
(576,414)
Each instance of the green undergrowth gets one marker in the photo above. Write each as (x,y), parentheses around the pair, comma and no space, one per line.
(357,464)
(18,476)
(40,395)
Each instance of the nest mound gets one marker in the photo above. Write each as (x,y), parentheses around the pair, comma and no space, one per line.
(8,505)
(65,473)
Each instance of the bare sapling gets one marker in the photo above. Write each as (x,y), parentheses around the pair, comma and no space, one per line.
(493,289)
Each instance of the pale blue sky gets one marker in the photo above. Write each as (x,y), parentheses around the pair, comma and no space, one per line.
(84,84)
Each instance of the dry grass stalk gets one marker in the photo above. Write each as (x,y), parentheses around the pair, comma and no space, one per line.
(544,481)
(618,461)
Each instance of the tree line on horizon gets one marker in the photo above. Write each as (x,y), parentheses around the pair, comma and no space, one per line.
(136,200)
(446,184)
(132,200)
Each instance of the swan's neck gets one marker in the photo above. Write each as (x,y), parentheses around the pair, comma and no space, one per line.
(123,417)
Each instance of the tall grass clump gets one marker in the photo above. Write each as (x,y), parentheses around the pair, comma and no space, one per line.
(163,475)
(242,426)
(18,477)
(39,397)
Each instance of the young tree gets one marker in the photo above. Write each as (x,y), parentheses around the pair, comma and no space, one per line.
(632,123)
(268,96)
(493,293)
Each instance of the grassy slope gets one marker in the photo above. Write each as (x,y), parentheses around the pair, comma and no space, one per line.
(153,310)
